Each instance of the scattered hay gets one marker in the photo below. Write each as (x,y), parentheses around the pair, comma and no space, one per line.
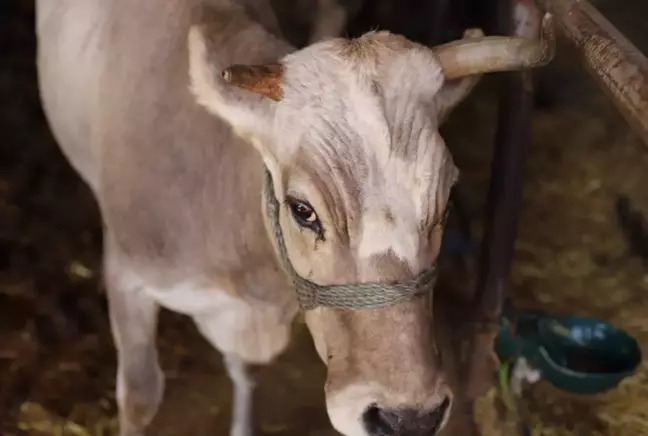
(36,420)
(571,258)
(621,412)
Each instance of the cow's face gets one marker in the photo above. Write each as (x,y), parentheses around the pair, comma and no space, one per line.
(349,132)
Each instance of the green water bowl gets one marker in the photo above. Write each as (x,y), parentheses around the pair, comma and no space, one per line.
(576,354)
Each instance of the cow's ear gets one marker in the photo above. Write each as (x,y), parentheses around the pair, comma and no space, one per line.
(243,96)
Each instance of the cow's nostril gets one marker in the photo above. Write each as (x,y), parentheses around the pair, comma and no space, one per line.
(381,422)
(434,419)
(396,422)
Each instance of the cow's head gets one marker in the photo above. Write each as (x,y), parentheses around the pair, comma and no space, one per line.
(349,130)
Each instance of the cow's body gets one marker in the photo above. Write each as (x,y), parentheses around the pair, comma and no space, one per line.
(181,193)
(140,127)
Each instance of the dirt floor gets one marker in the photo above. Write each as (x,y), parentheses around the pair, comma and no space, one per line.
(57,360)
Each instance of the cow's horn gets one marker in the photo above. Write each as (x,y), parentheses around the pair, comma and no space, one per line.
(266,80)
(489,54)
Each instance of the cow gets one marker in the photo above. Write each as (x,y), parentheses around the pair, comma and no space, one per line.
(241,180)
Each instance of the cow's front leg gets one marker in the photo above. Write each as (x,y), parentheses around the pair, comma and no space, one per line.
(133,319)
(245,334)
(243,409)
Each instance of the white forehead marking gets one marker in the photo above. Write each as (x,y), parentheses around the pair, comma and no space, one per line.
(390,216)
(380,234)
(394,210)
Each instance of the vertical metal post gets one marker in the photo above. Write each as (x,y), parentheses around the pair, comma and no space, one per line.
(504,200)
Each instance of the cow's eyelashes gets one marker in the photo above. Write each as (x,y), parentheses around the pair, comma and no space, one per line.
(304,215)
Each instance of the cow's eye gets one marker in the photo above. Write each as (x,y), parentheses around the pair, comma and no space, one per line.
(304,214)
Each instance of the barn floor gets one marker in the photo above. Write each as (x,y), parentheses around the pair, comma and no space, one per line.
(57,360)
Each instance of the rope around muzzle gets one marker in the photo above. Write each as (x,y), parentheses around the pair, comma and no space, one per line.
(350,296)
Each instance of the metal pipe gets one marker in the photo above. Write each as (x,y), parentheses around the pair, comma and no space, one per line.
(504,202)
(610,58)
